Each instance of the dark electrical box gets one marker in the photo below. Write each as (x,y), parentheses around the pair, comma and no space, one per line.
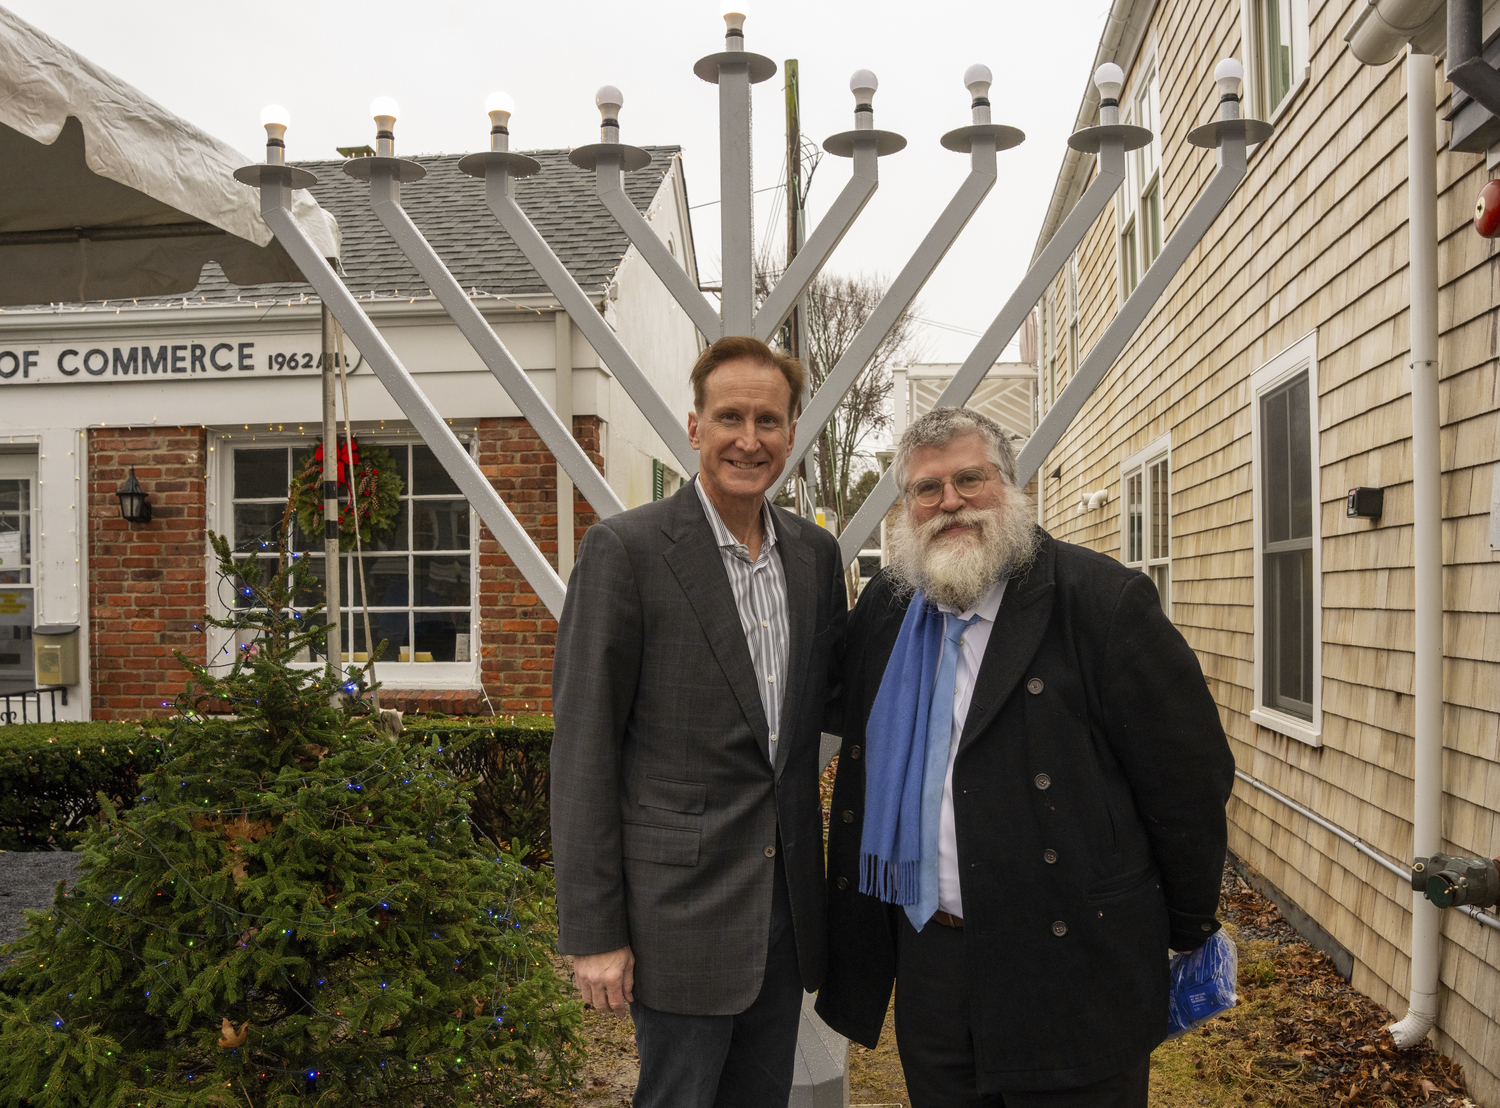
(1365,503)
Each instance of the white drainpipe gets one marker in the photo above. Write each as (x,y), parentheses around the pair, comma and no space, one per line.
(1427,525)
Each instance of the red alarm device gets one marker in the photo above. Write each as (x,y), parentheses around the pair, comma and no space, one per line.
(1487,210)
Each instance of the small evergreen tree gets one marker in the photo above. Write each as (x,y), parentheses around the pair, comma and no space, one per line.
(296,912)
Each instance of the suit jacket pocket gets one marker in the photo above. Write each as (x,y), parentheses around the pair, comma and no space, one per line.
(668,846)
(1121,884)
(687,797)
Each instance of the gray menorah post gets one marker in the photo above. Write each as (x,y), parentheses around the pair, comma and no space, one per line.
(821,1071)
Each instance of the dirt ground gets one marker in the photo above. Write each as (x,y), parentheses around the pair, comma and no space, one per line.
(1301,1037)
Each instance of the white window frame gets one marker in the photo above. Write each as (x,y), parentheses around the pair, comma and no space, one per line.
(1255,94)
(1072,283)
(1300,357)
(1141,462)
(23,467)
(1140,105)
(391,673)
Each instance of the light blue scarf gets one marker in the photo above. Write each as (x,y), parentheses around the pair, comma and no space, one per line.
(890,849)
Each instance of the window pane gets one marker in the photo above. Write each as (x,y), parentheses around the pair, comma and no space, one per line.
(1160,548)
(1275,465)
(15,496)
(313,591)
(1276,48)
(15,532)
(261,473)
(1151,214)
(1162,577)
(441,581)
(1288,614)
(442,637)
(428,477)
(17,654)
(392,627)
(395,538)
(440,524)
(386,581)
(1128,258)
(1133,509)
(256,526)
(1299,442)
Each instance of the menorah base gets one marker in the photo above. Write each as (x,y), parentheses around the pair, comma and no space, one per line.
(821,1079)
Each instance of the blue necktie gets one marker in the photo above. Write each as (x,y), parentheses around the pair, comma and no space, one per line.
(935,769)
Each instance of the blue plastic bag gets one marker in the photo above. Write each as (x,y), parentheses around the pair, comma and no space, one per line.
(1202,984)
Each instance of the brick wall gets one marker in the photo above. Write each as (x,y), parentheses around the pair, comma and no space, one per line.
(146,580)
(517,633)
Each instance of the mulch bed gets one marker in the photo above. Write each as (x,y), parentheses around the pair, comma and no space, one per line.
(1304,1036)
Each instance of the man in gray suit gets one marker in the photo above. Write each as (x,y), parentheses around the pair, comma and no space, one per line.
(694,658)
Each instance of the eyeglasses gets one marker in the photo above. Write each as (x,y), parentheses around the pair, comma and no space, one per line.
(928,492)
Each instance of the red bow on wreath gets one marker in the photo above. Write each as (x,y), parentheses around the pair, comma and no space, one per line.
(345,461)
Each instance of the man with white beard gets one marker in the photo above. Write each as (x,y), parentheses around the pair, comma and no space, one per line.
(1029,808)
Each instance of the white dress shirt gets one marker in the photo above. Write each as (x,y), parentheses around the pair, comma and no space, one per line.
(970,654)
(759,589)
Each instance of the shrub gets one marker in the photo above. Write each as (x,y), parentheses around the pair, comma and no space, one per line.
(52,773)
(509,762)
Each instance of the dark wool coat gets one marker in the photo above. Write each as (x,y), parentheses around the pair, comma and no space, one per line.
(1088,794)
(666,813)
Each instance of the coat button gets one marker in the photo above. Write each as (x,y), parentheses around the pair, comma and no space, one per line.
(1042,781)
(1049,855)
(770,852)
(1034,686)
(1205,927)
(842,883)
(1059,928)
(855,752)
(848,816)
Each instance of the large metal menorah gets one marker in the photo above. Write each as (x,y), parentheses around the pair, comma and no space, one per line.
(734,70)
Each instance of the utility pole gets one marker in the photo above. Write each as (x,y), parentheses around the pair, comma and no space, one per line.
(794,235)
(331,498)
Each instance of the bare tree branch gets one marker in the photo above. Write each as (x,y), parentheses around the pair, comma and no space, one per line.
(837,307)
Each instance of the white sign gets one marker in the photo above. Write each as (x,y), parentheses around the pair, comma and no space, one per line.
(225,356)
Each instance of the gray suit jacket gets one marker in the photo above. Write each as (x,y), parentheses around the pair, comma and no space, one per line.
(666,812)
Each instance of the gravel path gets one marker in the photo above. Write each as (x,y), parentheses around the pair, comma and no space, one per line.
(27,879)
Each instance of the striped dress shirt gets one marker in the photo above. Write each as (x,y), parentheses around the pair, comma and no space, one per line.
(759,589)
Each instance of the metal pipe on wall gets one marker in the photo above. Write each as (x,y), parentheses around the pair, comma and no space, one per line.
(1427,528)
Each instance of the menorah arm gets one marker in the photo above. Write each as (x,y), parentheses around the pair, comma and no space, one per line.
(667,423)
(386,201)
(667,268)
(830,232)
(436,433)
(897,299)
(1186,236)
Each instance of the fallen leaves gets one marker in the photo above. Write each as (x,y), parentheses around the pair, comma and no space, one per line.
(230,1038)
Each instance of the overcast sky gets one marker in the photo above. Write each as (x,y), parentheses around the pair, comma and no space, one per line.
(218,64)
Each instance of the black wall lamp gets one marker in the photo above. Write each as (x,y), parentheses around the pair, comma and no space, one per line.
(134,507)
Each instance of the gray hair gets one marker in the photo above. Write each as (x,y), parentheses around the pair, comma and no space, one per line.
(941,426)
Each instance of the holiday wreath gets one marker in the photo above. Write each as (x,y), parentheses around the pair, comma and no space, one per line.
(375,503)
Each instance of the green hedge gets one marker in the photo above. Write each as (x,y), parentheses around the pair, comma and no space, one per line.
(509,762)
(51,773)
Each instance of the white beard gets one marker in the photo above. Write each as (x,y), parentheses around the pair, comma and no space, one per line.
(956,571)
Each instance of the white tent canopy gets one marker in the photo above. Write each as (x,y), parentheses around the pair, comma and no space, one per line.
(104,194)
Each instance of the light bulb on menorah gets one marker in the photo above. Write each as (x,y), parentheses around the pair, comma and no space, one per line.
(735,70)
